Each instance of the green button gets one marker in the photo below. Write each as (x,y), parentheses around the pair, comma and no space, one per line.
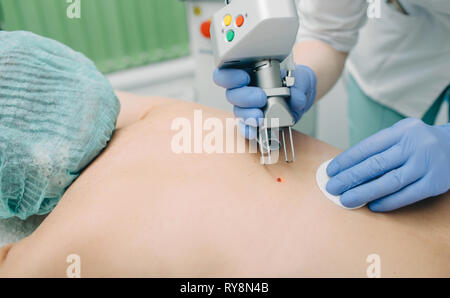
(230,35)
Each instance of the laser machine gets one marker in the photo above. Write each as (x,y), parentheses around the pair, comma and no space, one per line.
(199,14)
(257,36)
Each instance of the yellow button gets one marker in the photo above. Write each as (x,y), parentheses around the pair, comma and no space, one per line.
(227,20)
(197,11)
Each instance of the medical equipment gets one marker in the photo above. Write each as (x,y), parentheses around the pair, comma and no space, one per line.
(199,13)
(258,35)
(57,114)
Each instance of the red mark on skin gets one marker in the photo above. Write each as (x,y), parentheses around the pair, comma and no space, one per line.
(280,180)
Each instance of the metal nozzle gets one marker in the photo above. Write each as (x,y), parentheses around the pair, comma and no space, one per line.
(269,142)
(277,113)
(291,140)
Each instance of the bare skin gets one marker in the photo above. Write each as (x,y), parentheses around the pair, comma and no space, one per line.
(141,210)
(326,62)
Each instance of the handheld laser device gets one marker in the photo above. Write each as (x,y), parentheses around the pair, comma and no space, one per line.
(257,36)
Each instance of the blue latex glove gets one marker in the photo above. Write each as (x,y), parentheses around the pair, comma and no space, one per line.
(248,101)
(396,167)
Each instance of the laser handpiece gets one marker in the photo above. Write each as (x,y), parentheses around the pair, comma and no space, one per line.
(258,35)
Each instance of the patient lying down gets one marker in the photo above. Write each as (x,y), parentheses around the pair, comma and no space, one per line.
(142,210)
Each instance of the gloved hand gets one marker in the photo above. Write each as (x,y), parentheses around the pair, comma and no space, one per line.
(57,113)
(248,101)
(396,167)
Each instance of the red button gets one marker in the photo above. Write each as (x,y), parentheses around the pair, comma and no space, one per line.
(239,21)
(205,29)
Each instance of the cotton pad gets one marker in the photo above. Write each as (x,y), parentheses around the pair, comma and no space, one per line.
(322,180)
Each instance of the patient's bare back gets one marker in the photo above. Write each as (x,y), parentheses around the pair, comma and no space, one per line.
(143,210)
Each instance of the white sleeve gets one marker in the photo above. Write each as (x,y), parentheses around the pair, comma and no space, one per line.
(336,22)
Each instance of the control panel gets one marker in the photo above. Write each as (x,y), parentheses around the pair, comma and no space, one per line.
(247,31)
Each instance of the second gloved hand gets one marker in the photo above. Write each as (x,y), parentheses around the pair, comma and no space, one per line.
(396,167)
(248,101)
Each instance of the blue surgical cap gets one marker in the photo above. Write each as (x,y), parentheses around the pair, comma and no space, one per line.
(57,113)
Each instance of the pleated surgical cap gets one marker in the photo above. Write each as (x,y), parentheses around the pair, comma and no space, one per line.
(57,113)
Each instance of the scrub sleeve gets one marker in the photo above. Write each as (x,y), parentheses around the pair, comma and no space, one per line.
(367,117)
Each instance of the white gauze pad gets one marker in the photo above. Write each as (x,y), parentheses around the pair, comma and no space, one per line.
(322,180)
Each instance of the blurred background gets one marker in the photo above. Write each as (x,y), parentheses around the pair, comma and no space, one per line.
(155,47)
